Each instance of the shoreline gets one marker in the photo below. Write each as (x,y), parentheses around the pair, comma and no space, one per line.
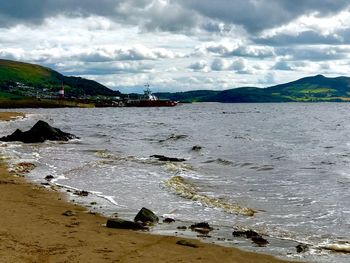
(34,230)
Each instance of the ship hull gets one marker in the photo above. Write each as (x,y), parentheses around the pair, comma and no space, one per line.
(151,103)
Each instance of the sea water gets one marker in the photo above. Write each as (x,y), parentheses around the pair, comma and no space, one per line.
(289,163)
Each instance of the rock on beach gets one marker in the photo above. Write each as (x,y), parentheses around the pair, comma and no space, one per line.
(40,132)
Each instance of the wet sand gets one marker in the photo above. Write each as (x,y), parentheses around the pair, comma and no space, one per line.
(33,229)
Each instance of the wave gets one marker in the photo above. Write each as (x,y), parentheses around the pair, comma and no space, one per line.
(109,198)
(177,167)
(174,137)
(173,167)
(105,154)
(344,248)
(220,161)
(187,190)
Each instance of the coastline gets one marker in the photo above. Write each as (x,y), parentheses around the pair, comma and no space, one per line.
(34,230)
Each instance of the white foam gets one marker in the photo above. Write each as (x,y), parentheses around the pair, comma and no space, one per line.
(338,247)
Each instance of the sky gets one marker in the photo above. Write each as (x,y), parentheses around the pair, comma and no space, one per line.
(180,45)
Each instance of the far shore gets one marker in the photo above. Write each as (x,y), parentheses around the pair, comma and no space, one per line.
(34,229)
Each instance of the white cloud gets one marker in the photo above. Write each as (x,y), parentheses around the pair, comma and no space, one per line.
(179,45)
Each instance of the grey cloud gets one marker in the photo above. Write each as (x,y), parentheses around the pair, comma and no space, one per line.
(238,65)
(179,15)
(288,66)
(133,53)
(255,16)
(171,17)
(282,65)
(219,64)
(105,68)
(199,66)
(238,50)
(11,55)
(307,37)
(148,15)
(96,54)
(268,80)
(34,11)
(313,53)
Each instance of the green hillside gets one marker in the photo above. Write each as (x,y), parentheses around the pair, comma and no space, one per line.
(188,96)
(309,89)
(18,78)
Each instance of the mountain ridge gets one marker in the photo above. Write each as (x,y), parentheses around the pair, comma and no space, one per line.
(20,79)
(308,89)
(15,74)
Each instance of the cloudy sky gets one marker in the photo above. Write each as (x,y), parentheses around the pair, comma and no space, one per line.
(180,45)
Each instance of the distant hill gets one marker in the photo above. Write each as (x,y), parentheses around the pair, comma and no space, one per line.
(22,80)
(188,96)
(309,89)
(16,76)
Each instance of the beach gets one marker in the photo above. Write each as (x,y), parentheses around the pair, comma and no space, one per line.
(34,229)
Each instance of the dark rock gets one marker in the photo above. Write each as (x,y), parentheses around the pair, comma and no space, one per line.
(201,225)
(239,233)
(182,227)
(251,234)
(301,248)
(124,224)
(40,132)
(49,177)
(260,241)
(196,148)
(245,233)
(203,231)
(167,159)
(81,193)
(168,220)
(186,243)
(202,228)
(69,213)
(146,216)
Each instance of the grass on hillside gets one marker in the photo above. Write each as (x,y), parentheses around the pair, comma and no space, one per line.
(27,73)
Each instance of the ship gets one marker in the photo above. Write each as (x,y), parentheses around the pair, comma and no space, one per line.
(149,100)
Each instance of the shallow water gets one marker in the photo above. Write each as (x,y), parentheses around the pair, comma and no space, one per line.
(290,163)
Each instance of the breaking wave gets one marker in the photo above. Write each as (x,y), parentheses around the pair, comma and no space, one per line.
(344,248)
(187,190)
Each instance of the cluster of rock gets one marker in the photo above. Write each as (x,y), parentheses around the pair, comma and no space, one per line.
(42,131)
(142,220)
(252,235)
(23,168)
(203,228)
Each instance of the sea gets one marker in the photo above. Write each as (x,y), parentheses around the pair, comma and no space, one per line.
(282,170)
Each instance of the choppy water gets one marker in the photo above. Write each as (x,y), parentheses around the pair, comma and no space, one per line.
(288,163)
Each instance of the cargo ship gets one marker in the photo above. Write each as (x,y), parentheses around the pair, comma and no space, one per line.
(149,100)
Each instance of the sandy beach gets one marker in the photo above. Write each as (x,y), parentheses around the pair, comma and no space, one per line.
(33,229)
